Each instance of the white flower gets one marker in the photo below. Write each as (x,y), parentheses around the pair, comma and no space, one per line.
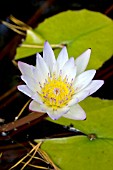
(57,85)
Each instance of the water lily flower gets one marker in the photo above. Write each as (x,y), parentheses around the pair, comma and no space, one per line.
(56,86)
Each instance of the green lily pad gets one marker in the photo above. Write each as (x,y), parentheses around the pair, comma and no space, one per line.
(80,153)
(81,30)
(32,39)
(91,152)
(99,118)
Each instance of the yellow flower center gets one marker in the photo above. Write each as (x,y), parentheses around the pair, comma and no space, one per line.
(56,93)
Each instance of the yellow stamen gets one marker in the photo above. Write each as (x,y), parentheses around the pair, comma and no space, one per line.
(57,92)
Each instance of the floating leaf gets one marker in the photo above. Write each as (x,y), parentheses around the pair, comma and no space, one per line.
(26,49)
(82,29)
(93,151)
(80,153)
(99,118)
(33,37)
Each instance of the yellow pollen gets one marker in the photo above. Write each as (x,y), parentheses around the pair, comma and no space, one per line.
(56,93)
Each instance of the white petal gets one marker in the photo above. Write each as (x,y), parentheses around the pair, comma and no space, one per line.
(83,80)
(62,58)
(41,65)
(48,56)
(24,89)
(55,70)
(54,114)
(36,97)
(76,112)
(26,69)
(68,66)
(78,97)
(94,86)
(71,74)
(39,77)
(31,83)
(34,106)
(82,61)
